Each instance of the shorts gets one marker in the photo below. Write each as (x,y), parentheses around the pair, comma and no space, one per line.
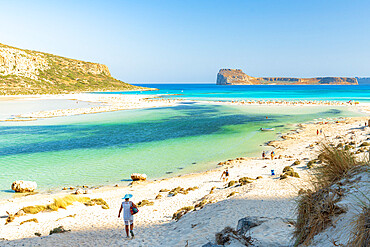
(129,222)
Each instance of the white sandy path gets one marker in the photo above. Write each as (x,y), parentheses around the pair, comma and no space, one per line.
(266,197)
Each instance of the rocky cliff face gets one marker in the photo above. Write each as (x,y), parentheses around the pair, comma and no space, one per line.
(233,77)
(32,72)
(238,77)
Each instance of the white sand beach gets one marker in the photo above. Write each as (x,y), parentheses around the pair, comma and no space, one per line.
(117,102)
(268,197)
(108,103)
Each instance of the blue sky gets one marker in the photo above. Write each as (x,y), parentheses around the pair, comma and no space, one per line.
(189,41)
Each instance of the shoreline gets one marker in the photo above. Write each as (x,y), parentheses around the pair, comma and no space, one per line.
(300,144)
(111,98)
(118,102)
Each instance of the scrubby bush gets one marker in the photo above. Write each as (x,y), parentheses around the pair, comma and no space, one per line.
(245,180)
(297,162)
(145,203)
(364,144)
(231,183)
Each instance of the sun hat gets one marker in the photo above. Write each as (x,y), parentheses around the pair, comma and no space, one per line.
(127,196)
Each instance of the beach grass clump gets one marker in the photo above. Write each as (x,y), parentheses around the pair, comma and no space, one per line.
(231,183)
(201,204)
(317,207)
(181,212)
(30,220)
(192,188)
(310,164)
(34,209)
(289,171)
(297,162)
(159,196)
(231,194)
(59,229)
(315,212)
(62,202)
(361,233)
(287,168)
(336,164)
(181,190)
(145,203)
(348,147)
(177,190)
(245,180)
(212,190)
(365,144)
(97,201)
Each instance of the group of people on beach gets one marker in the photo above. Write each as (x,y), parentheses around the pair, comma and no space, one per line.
(272,154)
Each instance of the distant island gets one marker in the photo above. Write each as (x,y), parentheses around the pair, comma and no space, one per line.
(33,72)
(238,77)
(363,80)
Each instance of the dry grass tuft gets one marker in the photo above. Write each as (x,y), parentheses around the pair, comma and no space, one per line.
(317,207)
(30,220)
(62,202)
(315,211)
(181,212)
(361,234)
(97,201)
(34,209)
(337,164)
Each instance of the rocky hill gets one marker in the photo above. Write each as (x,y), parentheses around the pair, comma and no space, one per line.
(363,80)
(238,77)
(32,72)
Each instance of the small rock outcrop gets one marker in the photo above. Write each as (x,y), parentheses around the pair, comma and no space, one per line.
(247,223)
(138,177)
(24,186)
(238,77)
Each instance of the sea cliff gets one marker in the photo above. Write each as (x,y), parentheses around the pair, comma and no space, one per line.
(33,72)
(238,77)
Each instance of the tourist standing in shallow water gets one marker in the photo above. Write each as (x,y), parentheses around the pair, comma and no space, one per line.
(128,216)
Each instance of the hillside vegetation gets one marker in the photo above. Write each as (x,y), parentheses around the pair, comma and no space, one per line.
(32,72)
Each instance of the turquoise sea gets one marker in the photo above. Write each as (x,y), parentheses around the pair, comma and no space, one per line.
(105,148)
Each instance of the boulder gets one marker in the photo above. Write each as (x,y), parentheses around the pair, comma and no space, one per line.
(24,186)
(247,223)
(138,177)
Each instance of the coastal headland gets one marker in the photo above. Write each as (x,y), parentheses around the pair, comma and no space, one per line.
(24,72)
(238,77)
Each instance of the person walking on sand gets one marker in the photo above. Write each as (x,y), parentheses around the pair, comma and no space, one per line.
(272,155)
(225,175)
(317,132)
(127,215)
(263,155)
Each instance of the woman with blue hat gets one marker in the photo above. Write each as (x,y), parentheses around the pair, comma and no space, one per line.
(129,208)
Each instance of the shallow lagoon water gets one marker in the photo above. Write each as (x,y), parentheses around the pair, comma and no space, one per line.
(105,148)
